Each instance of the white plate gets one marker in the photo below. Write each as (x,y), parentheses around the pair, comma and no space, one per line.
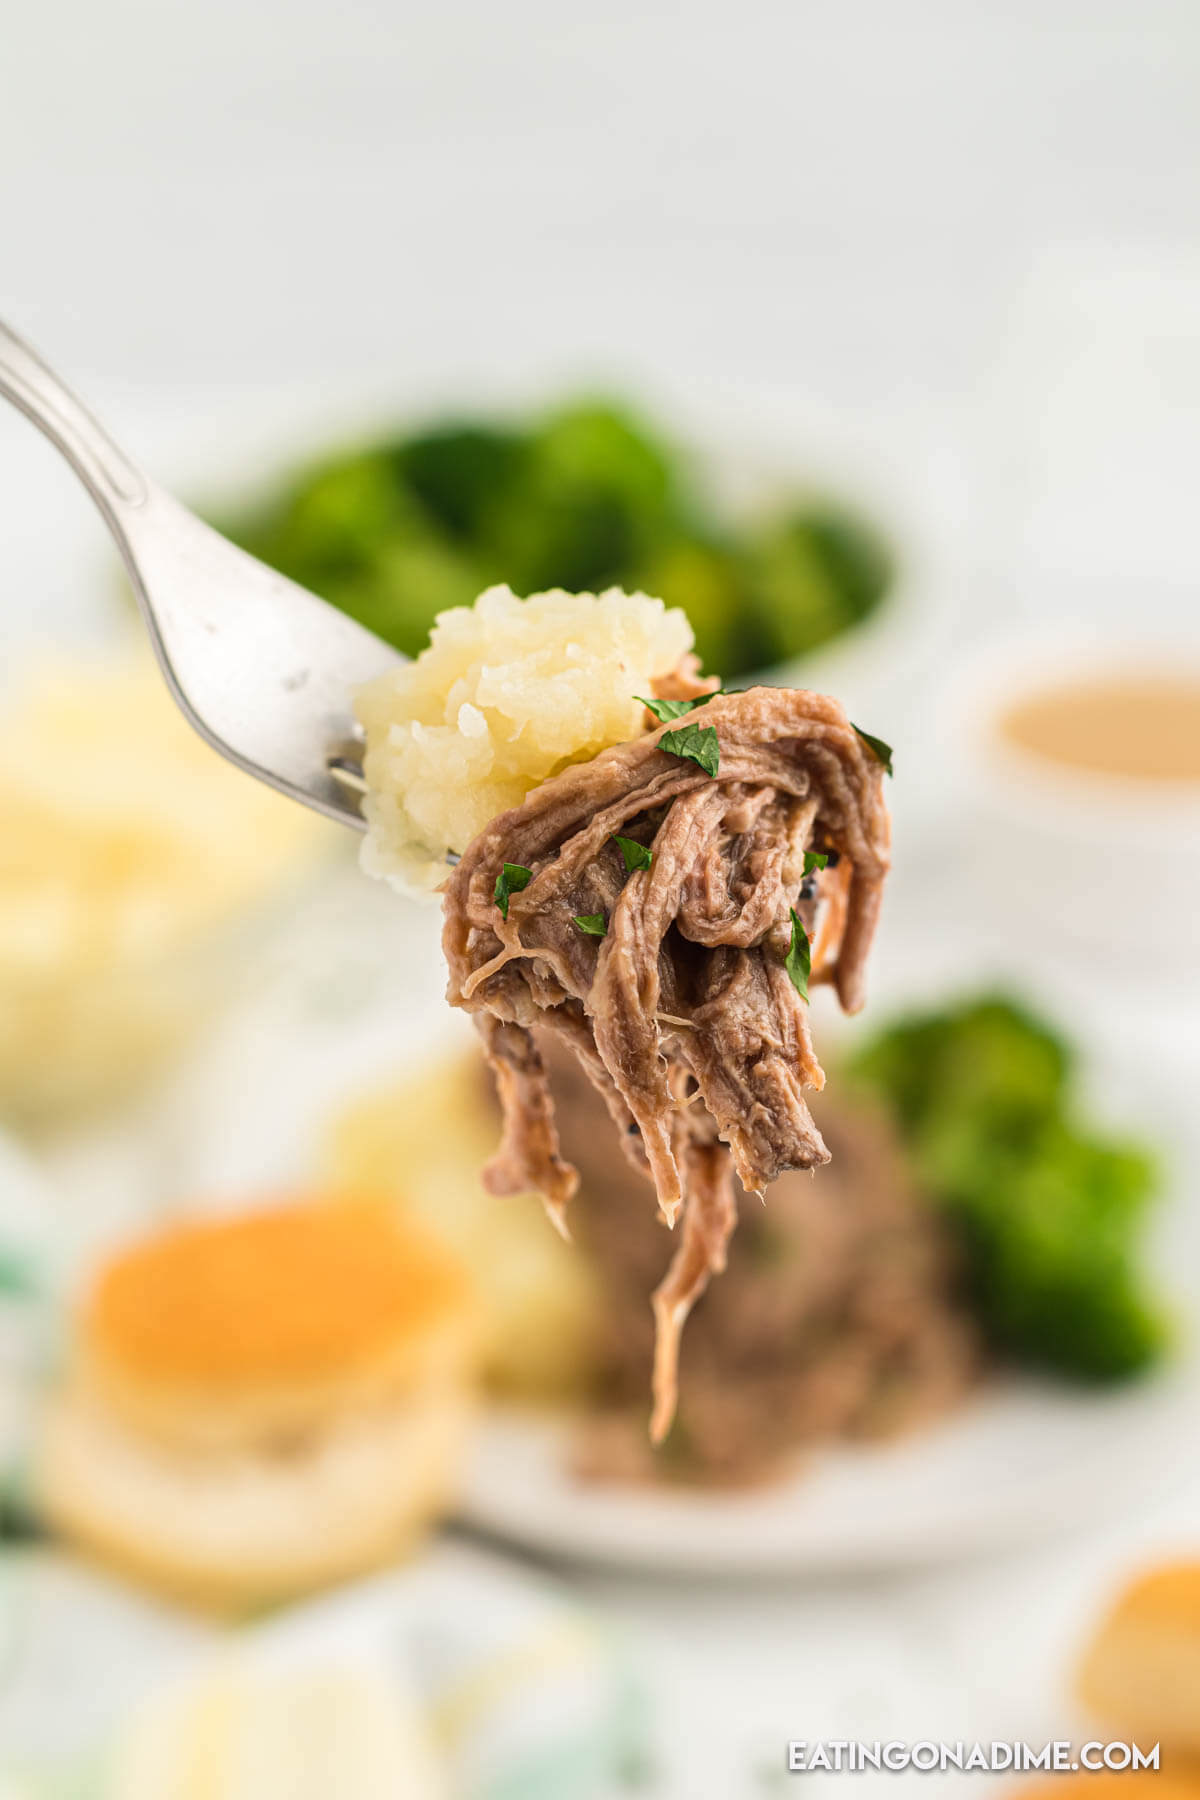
(351,994)
(1023,1459)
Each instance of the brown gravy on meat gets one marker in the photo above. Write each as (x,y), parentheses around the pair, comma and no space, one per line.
(1147,727)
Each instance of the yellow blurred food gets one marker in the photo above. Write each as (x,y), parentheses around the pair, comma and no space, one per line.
(128,849)
(321,1727)
(1140,1675)
(262,1403)
(426,1139)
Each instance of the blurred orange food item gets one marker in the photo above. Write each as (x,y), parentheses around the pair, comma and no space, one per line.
(1112,1784)
(1141,1672)
(295,1291)
(260,1403)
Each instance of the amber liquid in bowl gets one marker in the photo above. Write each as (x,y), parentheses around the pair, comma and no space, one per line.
(1144,727)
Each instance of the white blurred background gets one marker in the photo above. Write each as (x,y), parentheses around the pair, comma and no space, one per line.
(951,250)
(863,229)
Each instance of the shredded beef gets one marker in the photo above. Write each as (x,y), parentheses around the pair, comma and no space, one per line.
(841,1314)
(683,1014)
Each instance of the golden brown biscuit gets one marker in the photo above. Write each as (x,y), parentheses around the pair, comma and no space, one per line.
(1141,1674)
(262,1403)
(247,1330)
(1113,1784)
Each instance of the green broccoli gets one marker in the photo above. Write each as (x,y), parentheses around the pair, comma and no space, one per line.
(457,472)
(986,1059)
(1050,1215)
(353,531)
(812,572)
(584,497)
(707,580)
(597,497)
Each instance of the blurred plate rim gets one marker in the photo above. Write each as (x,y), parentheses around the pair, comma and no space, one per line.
(846,1510)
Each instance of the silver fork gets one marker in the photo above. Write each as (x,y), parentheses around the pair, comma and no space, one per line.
(263,669)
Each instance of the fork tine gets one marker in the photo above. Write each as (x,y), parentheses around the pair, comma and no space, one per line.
(262,668)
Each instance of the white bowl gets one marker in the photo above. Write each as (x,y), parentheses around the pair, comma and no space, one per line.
(1079,863)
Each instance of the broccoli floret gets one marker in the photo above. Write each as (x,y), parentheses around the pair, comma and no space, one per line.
(329,522)
(597,498)
(357,533)
(708,580)
(857,560)
(988,1060)
(1050,1215)
(812,574)
(459,472)
(796,604)
(586,497)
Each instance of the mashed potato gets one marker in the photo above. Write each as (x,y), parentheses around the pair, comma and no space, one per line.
(130,858)
(424,1139)
(507,693)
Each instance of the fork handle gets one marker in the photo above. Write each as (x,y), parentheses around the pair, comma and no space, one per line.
(113,481)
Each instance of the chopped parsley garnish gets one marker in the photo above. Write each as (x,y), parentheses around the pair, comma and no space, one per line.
(798,961)
(882,751)
(511,879)
(695,743)
(666,710)
(815,859)
(636,855)
(591,924)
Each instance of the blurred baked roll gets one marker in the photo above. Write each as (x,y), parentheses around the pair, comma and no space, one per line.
(260,1404)
(1112,1784)
(1140,1675)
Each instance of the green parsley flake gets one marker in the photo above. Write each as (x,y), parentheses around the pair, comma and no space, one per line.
(511,879)
(636,855)
(666,710)
(592,924)
(798,961)
(815,859)
(695,743)
(882,751)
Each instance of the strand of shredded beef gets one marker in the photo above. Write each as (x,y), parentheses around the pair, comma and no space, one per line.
(683,1014)
(529,1136)
(708,1223)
